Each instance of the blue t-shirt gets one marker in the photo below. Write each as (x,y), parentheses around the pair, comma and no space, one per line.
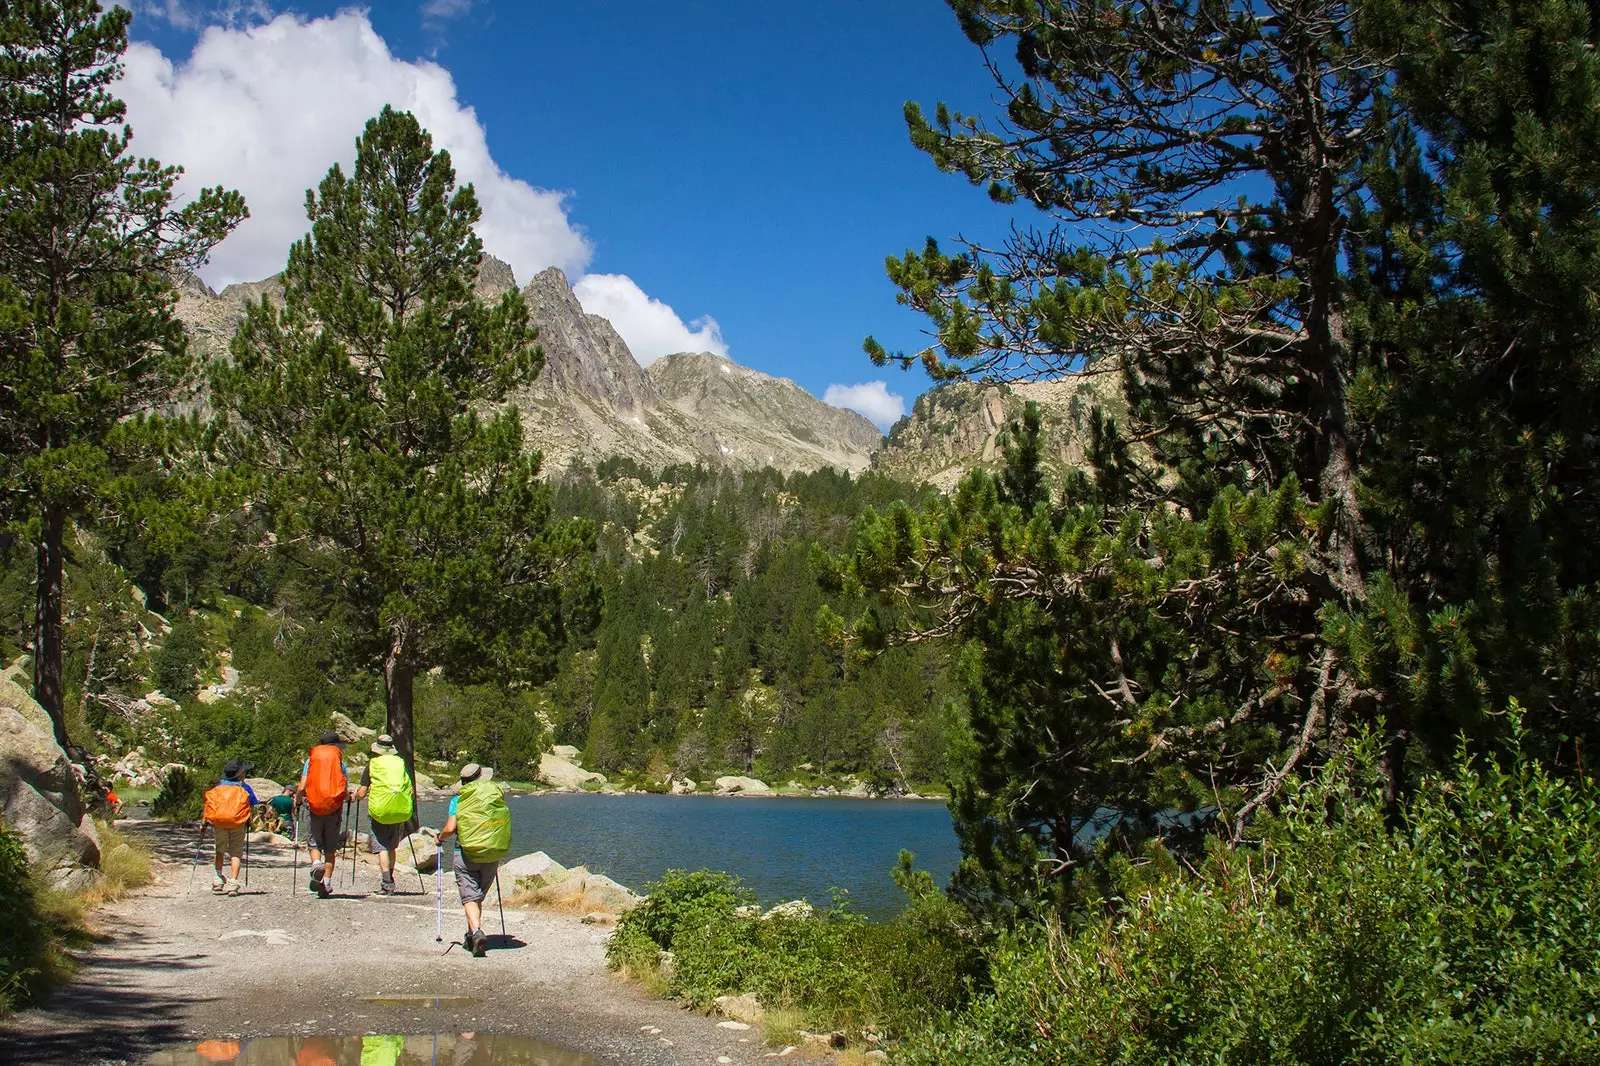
(452,811)
(248,791)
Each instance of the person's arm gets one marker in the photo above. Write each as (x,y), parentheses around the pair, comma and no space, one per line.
(300,789)
(366,783)
(449,827)
(248,791)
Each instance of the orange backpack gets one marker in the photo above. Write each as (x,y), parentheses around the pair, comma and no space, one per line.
(325,783)
(227,806)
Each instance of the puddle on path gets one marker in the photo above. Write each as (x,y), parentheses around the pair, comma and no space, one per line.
(434,1049)
(420,1001)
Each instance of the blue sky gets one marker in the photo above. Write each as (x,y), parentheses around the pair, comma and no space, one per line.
(739,162)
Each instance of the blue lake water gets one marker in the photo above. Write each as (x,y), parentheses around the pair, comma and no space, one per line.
(783,848)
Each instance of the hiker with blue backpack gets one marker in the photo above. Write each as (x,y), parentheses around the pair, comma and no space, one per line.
(481,823)
(386,786)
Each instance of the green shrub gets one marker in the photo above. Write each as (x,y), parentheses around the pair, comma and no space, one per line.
(24,942)
(835,969)
(1465,935)
(176,665)
(180,799)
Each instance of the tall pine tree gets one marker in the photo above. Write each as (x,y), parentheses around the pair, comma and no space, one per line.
(364,400)
(90,242)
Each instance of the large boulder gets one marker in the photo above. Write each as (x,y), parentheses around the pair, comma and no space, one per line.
(538,867)
(743,786)
(578,892)
(348,731)
(567,752)
(421,854)
(39,794)
(560,773)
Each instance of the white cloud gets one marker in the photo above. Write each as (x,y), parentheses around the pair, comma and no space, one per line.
(267,108)
(193,14)
(651,328)
(439,10)
(870,398)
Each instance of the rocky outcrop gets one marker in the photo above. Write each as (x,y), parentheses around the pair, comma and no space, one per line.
(576,891)
(39,794)
(348,731)
(956,427)
(743,786)
(559,773)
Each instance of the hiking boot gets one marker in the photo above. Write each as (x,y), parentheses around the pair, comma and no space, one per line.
(315,884)
(324,889)
(478,943)
(218,884)
(385,888)
(234,886)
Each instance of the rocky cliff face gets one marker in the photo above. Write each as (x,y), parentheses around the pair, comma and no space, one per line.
(956,427)
(594,401)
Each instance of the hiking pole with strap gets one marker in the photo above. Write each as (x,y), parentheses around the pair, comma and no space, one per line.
(500,903)
(247,855)
(438,896)
(355,837)
(198,845)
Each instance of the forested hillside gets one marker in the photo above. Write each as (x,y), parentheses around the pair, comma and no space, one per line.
(708,646)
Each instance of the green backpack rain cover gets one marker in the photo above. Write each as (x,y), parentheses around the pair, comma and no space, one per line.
(483,822)
(389,798)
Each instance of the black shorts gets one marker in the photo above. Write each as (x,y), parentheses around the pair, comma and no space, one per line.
(327,833)
(388,837)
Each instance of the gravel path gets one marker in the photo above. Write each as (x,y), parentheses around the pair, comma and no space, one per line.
(180,965)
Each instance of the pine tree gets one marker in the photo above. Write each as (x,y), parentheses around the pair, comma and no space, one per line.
(1354,483)
(363,402)
(90,242)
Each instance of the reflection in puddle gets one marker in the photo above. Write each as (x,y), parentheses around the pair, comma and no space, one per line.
(420,1001)
(440,1049)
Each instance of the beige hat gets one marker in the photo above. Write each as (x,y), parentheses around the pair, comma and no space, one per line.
(383,745)
(470,772)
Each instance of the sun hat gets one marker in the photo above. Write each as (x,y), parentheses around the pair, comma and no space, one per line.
(233,769)
(383,745)
(331,738)
(470,772)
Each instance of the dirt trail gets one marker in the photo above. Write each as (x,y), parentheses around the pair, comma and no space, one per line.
(181,965)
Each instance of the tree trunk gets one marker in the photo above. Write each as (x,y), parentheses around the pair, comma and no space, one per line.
(47,619)
(397,690)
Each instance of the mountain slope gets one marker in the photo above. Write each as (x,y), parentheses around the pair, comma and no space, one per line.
(594,401)
(955,427)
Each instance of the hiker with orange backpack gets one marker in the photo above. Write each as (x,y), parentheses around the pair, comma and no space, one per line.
(324,788)
(227,810)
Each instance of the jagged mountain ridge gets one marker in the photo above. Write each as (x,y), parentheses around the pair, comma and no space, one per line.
(594,401)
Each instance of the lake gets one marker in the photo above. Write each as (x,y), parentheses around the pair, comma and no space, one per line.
(783,848)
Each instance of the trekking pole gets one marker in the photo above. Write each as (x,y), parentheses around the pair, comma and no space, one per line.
(198,845)
(438,897)
(500,903)
(355,836)
(247,856)
(294,864)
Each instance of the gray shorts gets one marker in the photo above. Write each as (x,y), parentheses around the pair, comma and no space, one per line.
(473,879)
(388,837)
(327,833)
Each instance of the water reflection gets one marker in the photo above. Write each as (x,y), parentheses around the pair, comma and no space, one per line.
(435,1049)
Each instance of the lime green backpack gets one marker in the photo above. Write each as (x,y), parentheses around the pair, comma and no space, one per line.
(483,822)
(389,798)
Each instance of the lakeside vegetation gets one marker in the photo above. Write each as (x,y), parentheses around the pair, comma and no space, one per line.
(1265,730)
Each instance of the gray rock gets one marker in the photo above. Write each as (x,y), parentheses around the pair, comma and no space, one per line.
(39,795)
(743,786)
(348,731)
(538,869)
(567,752)
(559,773)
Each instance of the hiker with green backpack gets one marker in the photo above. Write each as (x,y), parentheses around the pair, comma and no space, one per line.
(481,823)
(386,786)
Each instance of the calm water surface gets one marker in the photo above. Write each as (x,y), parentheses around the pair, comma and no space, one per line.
(456,1049)
(783,848)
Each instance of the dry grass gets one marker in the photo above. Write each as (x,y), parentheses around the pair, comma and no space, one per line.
(781,1027)
(855,1056)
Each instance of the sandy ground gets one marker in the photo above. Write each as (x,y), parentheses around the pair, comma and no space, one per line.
(179,965)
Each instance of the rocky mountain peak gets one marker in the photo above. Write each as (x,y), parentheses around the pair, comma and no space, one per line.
(495,279)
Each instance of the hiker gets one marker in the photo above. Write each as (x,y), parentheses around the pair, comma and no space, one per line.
(227,810)
(481,823)
(283,805)
(386,786)
(324,788)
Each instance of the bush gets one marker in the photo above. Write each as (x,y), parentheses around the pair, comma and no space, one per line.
(181,799)
(1464,935)
(24,942)
(836,969)
(176,665)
